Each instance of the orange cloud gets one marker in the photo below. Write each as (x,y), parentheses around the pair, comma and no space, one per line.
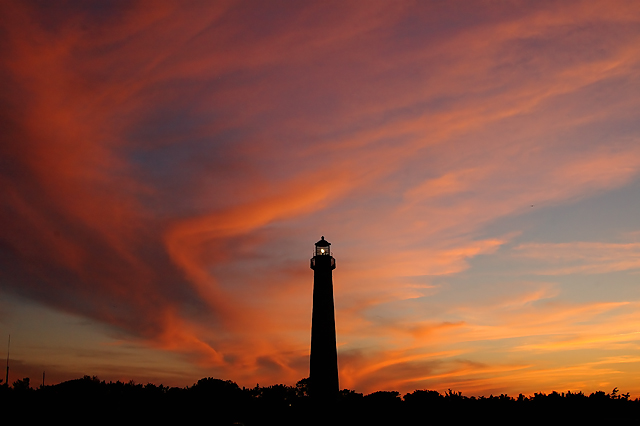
(166,169)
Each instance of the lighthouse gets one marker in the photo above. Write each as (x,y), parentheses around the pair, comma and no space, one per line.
(323,375)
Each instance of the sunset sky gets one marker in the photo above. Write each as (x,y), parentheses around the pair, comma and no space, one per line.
(166,167)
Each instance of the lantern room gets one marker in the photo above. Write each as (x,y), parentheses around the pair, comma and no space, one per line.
(323,248)
(322,256)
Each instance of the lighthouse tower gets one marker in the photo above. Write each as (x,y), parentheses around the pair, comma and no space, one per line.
(323,376)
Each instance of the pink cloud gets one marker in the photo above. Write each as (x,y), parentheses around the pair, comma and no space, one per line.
(154,152)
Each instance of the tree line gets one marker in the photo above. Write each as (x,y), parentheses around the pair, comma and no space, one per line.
(223,402)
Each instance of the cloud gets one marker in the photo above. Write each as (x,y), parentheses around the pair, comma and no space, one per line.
(165,171)
(580,257)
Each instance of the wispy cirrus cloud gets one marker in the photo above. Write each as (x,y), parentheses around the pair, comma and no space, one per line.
(165,170)
(581,257)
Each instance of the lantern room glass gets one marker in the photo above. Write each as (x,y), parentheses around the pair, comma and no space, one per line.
(323,251)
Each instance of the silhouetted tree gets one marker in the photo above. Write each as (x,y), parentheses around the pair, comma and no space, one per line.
(302,388)
(424,398)
(349,395)
(22,385)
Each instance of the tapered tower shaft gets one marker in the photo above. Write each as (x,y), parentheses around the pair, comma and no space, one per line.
(324,356)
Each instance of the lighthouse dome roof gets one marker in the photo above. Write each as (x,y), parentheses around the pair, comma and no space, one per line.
(323,243)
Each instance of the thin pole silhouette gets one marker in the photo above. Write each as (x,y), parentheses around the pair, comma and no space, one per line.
(6,380)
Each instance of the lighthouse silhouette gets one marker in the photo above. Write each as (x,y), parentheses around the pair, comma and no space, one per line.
(323,374)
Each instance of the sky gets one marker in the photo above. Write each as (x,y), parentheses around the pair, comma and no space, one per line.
(166,168)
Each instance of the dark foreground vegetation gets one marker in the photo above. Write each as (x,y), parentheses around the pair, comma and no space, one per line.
(218,402)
